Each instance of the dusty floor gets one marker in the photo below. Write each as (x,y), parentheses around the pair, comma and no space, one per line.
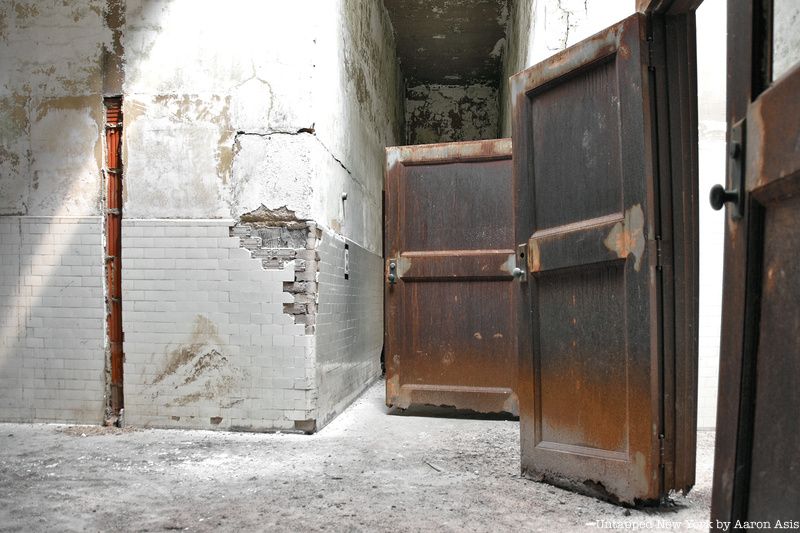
(366,471)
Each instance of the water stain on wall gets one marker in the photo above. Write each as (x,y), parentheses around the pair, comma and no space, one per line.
(199,369)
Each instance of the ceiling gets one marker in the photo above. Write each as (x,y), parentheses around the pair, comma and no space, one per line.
(450,42)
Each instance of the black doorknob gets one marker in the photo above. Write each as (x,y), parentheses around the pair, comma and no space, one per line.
(719,197)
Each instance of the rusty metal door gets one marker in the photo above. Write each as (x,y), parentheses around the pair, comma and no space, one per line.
(450,314)
(757,465)
(601,363)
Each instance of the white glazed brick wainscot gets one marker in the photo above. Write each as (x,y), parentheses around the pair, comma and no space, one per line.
(52,360)
(349,324)
(207,344)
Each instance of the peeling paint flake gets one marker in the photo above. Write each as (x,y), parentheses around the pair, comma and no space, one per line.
(627,237)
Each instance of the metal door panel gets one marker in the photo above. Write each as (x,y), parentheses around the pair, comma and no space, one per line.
(450,313)
(593,321)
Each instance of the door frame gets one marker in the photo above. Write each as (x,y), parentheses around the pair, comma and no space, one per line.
(749,74)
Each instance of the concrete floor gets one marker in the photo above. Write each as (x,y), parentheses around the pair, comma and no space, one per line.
(366,471)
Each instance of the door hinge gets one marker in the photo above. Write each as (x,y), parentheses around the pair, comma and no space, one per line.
(661,463)
(651,64)
(659,254)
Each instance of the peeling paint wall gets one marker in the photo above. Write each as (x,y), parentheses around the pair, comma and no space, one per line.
(231,111)
(358,110)
(51,107)
(358,105)
(291,105)
(51,257)
(243,112)
(199,78)
(447,113)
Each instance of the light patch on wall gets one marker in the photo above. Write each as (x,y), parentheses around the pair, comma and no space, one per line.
(65,165)
(274,169)
(173,157)
(251,106)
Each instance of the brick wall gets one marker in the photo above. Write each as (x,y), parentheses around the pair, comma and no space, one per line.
(52,358)
(349,324)
(207,343)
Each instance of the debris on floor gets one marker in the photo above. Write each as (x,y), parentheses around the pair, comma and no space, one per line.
(366,471)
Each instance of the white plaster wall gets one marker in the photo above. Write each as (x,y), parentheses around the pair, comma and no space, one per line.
(198,74)
(291,105)
(358,107)
(51,107)
(227,108)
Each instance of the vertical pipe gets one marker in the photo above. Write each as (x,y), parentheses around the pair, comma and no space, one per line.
(113,131)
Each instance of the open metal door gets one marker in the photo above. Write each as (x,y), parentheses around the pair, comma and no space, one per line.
(757,464)
(450,312)
(600,355)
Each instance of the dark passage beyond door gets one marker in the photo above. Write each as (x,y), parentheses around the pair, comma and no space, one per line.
(450,309)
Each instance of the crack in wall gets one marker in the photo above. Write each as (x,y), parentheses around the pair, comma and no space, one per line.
(309,131)
(566,14)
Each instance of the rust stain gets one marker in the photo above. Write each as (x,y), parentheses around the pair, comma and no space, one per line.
(393,387)
(448,152)
(627,237)
(226,150)
(71,103)
(534,256)
(15,110)
(25,11)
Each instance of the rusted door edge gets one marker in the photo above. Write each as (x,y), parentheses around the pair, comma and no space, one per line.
(667,7)
(599,47)
(444,153)
(463,264)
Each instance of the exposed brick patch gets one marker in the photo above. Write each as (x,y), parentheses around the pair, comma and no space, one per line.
(277,236)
